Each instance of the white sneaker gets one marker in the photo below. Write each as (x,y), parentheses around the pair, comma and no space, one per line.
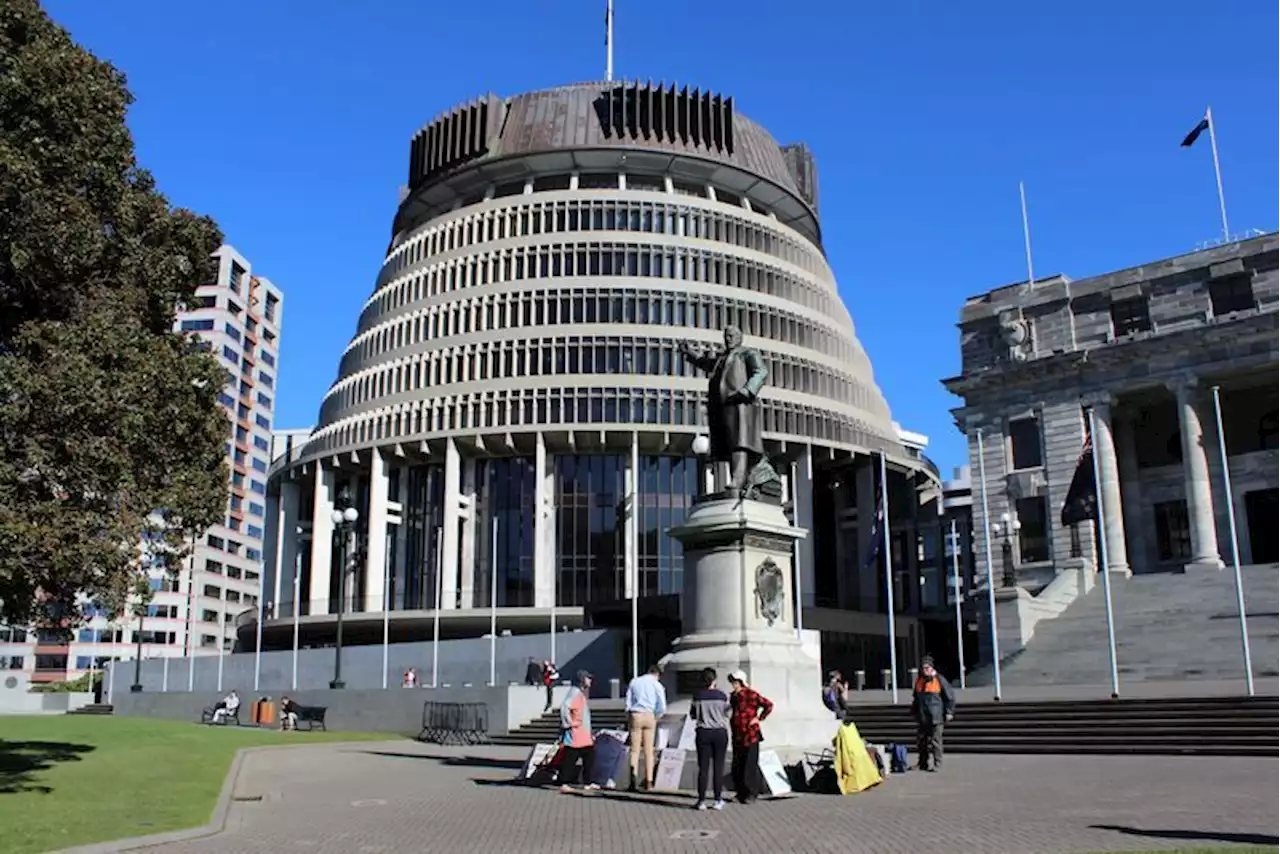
(700,806)
(718,805)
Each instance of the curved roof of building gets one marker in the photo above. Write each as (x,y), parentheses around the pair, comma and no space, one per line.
(658,118)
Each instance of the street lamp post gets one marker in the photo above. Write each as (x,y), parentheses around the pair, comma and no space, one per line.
(136,687)
(1004,528)
(344,522)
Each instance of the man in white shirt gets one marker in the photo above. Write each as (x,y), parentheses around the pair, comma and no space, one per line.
(646,703)
(226,707)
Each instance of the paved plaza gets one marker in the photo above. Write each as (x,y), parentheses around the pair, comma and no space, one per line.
(404,796)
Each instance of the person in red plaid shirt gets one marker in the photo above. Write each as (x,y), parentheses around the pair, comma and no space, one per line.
(748,709)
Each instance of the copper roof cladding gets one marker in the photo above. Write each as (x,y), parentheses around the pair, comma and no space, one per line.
(608,115)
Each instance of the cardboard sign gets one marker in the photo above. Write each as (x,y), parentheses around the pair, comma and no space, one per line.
(688,735)
(670,767)
(774,775)
(539,755)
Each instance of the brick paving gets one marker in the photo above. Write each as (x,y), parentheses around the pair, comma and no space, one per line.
(404,796)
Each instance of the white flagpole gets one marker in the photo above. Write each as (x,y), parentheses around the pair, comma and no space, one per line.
(608,41)
(386,616)
(633,553)
(297,608)
(435,616)
(164,676)
(991,569)
(1235,542)
(1102,555)
(257,645)
(1217,171)
(222,649)
(111,677)
(1026,234)
(888,577)
(493,603)
(191,622)
(955,583)
(555,592)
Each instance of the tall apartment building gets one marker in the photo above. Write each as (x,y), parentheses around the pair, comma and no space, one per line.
(239,316)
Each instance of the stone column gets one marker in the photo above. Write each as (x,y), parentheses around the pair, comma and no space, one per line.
(321,543)
(1104,447)
(802,502)
(287,547)
(375,566)
(1195,469)
(631,483)
(452,518)
(470,490)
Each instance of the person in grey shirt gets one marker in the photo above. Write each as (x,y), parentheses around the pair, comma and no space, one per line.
(710,712)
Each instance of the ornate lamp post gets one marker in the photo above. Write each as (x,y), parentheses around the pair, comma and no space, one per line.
(1003,529)
(344,525)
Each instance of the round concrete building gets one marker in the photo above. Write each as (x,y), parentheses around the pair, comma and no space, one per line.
(514,392)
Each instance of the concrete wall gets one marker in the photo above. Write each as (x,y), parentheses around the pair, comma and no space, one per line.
(395,710)
(18,703)
(461,662)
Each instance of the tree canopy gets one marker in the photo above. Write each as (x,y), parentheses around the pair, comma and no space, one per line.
(112,441)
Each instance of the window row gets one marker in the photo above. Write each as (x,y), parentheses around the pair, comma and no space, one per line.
(637,260)
(530,216)
(571,356)
(549,407)
(532,309)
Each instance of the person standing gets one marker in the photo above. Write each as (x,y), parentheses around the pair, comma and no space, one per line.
(836,695)
(710,712)
(575,734)
(532,672)
(549,677)
(748,708)
(933,704)
(646,703)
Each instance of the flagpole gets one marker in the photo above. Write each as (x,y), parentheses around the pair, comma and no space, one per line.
(386,618)
(1235,542)
(955,583)
(257,646)
(1217,171)
(164,676)
(493,603)
(991,569)
(191,621)
(222,649)
(297,608)
(1102,555)
(888,578)
(608,40)
(1026,234)
(435,617)
(633,554)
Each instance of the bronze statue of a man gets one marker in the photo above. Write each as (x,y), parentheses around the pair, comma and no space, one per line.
(735,376)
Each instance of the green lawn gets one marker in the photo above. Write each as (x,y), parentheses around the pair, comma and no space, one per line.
(71,780)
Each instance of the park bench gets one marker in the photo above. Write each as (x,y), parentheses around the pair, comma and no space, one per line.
(313,717)
(209,716)
(465,723)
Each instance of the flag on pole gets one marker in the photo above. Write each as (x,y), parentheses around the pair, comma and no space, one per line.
(1081,504)
(877,535)
(1191,138)
(608,21)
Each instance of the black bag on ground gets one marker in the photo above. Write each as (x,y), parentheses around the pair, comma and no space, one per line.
(610,760)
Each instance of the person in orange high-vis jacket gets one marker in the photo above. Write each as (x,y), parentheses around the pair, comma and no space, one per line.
(933,704)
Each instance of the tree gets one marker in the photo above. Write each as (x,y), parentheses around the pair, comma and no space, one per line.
(110,429)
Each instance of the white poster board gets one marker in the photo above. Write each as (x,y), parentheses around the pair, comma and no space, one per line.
(539,755)
(670,767)
(774,775)
(688,734)
(661,738)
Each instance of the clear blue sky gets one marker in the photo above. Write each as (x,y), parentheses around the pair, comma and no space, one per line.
(289,122)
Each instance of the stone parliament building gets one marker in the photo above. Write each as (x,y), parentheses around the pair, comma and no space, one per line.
(1143,347)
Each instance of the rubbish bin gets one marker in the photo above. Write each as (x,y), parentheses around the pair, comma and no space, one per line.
(264,712)
(615,689)
(860,680)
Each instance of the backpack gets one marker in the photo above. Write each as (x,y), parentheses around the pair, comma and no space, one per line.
(898,758)
(829,699)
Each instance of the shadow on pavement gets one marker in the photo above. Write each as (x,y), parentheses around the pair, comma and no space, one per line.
(21,761)
(457,761)
(1197,835)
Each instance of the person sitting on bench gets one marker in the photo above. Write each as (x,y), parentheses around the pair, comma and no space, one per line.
(228,707)
(288,714)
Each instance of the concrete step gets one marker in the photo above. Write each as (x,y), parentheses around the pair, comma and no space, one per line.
(93,709)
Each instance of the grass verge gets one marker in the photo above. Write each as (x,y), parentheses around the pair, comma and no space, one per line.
(71,780)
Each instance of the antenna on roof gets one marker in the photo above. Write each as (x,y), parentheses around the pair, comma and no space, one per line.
(608,40)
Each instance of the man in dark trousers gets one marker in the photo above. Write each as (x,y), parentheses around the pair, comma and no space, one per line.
(933,703)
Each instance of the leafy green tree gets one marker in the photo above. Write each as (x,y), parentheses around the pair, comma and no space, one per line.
(110,429)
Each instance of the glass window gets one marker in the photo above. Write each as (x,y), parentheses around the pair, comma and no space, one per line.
(1173,531)
(197,325)
(1129,316)
(1033,536)
(1024,443)
(232,331)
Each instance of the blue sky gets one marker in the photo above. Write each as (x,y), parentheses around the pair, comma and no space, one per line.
(289,122)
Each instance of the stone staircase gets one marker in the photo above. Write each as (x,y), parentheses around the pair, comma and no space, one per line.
(93,709)
(1170,627)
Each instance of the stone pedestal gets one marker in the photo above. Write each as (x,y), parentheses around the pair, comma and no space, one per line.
(738,613)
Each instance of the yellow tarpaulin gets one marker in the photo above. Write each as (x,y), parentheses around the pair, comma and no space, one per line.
(855,769)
